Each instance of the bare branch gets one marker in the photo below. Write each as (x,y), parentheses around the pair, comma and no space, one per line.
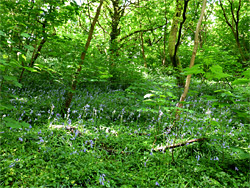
(232,11)
(224,13)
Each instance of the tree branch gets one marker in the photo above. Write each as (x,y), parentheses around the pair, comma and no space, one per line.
(138,31)
(224,13)
(163,148)
(232,11)
(238,12)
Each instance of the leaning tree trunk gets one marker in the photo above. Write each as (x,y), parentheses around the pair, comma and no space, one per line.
(196,44)
(70,94)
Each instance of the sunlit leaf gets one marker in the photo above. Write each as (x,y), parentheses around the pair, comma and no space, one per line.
(148,95)
(25,35)
(241,81)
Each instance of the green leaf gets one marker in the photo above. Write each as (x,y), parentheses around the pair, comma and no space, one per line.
(22,57)
(13,80)
(5,106)
(246,73)
(2,61)
(12,123)
(196,69)
(25,125)
(2,33)
(214,123)
(25,35)
(216,73)
(15,83)
(170,94)
(15,124)
(30,69)
(150,102)
(29,47)
(242,154)
(241,81)
(10,78)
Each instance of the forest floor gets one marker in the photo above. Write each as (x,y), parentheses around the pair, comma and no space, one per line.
(126,137)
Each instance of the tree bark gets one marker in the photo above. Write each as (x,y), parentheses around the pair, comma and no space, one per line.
(116,15)
(70,94)
(173,45)
(196,44)
(142,48)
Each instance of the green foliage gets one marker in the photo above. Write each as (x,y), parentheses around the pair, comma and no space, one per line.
(114,137)
(122,114)
(9,122)
(216,73)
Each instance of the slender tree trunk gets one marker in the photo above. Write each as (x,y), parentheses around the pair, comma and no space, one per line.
(239,46)
(21,75)
(196,43)
(234,26)
(142,49)
(143,52)
(36,52)
(70,94)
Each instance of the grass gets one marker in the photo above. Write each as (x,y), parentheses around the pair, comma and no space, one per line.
(114,135)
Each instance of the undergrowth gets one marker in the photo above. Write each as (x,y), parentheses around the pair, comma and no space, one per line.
(114,137)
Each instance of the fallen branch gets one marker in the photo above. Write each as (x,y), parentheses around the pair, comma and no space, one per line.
(163,148)
(69,128)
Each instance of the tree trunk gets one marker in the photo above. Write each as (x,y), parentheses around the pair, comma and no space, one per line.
(142,49)
(174,42)
(115,30)
(234,26)
(70,94)
(196,44)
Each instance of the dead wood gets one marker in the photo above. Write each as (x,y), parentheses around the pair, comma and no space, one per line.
(163,148)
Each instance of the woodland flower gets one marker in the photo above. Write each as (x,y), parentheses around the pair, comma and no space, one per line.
(101,179)
(41,140)
(198,157)
(11,165)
